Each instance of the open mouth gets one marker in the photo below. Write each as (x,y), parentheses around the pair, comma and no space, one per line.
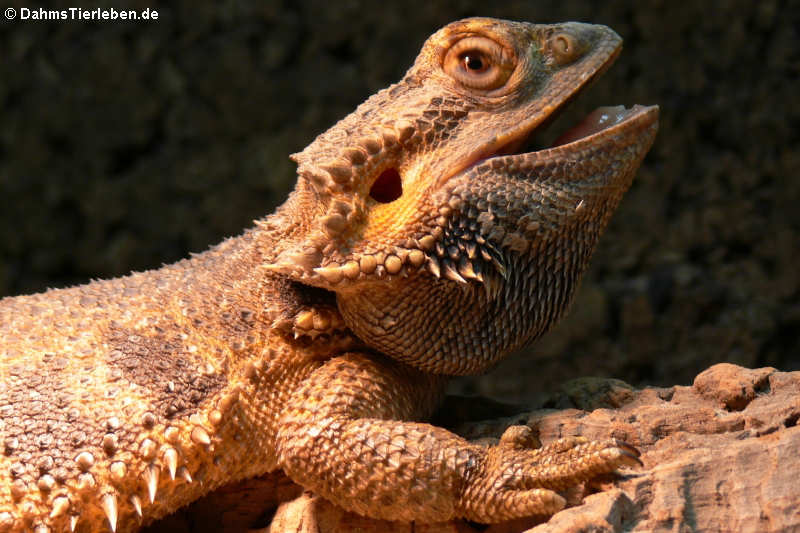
(601,124)
(595,122)
(603,120)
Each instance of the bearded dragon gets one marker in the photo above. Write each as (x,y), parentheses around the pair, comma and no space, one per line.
(424,239)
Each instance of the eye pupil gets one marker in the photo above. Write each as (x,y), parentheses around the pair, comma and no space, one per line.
(472,62)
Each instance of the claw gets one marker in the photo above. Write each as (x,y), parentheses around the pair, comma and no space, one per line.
(629,458)
(627,447)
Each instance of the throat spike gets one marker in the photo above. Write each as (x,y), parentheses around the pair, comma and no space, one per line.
(184,473)
(109,504)
(171,459)
(151,478)
(137,505)
(60,506)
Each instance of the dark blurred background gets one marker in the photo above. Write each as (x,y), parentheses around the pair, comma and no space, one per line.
(127,145)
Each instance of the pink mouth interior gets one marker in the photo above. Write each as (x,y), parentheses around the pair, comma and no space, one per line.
(598,120)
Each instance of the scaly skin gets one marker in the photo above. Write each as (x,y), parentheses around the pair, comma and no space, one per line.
(411,250)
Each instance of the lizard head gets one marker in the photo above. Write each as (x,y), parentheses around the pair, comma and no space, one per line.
(447,242)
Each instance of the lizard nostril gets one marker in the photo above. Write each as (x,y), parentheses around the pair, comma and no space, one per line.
(388,187)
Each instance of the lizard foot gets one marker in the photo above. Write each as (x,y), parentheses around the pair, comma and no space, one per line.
(515,480)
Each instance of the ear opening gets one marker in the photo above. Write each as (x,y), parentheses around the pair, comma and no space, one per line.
(388,187)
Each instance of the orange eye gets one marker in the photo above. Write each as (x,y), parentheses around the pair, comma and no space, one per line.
(478,63)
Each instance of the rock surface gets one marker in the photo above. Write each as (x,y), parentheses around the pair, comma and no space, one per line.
(720,455)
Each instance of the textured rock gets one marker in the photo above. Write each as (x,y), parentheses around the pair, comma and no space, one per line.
(721,455)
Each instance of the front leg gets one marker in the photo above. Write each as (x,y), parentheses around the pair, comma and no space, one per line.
(346,437)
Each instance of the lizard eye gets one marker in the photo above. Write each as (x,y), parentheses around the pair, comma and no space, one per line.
(478,63)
